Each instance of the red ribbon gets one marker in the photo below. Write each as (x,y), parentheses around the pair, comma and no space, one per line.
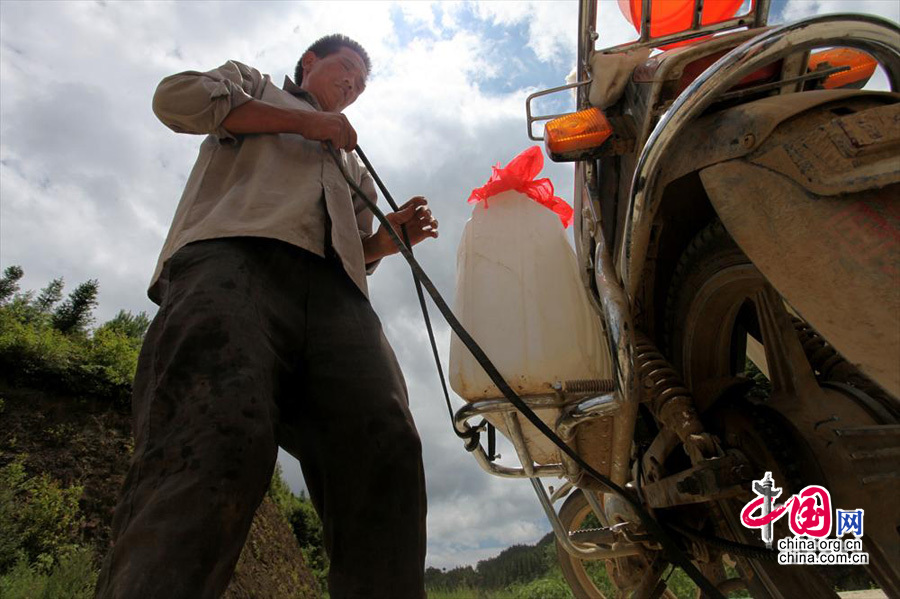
(519,175)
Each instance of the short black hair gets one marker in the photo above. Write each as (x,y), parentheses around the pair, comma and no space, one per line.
(330,44)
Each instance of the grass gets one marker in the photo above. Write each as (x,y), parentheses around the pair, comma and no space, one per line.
(470,593)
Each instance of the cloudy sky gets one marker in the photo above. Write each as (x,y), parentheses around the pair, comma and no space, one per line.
(89,179)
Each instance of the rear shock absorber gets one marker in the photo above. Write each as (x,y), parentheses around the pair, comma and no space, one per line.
(670,401)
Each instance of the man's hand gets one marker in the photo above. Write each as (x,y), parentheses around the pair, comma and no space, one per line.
(417,219)
(257,116)
(328,126)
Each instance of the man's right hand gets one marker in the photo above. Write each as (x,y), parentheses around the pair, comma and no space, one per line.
(257,116)
(327,126)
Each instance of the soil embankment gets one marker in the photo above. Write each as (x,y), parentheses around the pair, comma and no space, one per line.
(89,444)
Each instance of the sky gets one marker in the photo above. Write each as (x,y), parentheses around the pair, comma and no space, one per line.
(89,179)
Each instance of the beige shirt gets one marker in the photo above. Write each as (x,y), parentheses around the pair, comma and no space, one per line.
(266,185)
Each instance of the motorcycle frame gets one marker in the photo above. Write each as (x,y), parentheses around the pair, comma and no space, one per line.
(575,409)
(617,282)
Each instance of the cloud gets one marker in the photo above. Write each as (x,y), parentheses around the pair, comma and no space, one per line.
(801,9)
(550,25)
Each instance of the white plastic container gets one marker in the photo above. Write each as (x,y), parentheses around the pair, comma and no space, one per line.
(519,294)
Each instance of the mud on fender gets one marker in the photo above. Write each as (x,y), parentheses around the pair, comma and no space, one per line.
(817,209)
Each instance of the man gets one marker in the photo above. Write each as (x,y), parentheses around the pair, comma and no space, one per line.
(265,337)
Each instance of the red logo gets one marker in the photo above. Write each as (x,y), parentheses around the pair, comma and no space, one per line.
(810,510)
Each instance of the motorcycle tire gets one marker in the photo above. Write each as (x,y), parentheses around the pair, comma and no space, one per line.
(589,579)
(572,515)
(706,338)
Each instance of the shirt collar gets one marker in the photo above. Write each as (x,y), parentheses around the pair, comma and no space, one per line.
(292,88)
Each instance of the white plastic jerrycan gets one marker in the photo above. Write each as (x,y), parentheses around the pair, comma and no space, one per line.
(519,294)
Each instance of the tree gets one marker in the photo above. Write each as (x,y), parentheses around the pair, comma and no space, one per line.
(9,282)
(23,304)
(75,313)
(129,325)
(50,295)
(305,524)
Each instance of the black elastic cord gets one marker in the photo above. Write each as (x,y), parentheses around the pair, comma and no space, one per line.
(492,441)
(472,435)
(672,552)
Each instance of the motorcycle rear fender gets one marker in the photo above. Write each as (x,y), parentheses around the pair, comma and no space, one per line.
(722,136)
(816,207)
(738,131)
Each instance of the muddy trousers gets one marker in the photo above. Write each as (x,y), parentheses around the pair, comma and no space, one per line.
(259,344)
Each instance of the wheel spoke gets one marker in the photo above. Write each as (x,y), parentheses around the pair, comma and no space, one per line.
(789,371)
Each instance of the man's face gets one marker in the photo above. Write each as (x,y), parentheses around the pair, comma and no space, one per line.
(335,80)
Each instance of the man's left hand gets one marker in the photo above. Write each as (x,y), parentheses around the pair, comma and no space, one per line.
(415,216)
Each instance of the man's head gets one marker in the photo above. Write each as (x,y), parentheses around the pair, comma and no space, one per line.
(334,70)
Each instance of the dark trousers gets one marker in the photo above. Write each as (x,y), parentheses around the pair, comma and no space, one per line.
(259,344)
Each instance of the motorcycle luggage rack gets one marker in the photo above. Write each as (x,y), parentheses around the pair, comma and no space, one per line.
(578,402)
(531,119)
(755,17)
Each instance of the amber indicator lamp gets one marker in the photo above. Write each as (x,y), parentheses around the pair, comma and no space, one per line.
(572,135)
(861,67)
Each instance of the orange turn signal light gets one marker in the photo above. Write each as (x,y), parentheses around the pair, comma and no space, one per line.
(577,133)
(862,66)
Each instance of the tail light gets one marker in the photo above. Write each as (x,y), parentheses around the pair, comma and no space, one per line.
(578,135)
(859,67)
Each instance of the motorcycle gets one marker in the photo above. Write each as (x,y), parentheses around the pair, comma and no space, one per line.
(737,223)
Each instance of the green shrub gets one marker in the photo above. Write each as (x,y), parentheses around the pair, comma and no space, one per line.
(34,350)
(53,349)
(11,479)
(543,588)
(305,524)
(681,584)
(281,494)
(114,355)
(469,592)
(40,554)
(73,577)
(33,353)
(40,520)
(49,519)
(22,580)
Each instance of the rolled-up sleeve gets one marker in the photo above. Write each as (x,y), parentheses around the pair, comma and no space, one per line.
(198,102)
